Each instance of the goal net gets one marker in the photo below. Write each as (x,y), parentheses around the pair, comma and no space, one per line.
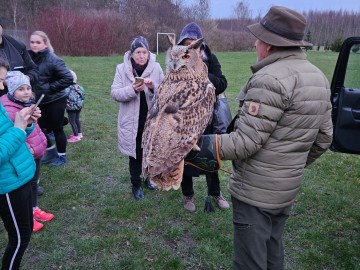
(157,39)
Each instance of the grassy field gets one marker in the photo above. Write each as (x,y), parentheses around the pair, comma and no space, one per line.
(98,224)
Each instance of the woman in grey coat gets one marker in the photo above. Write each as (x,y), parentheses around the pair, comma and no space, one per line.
(135,97)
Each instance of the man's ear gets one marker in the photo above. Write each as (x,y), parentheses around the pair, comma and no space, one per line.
(270,48)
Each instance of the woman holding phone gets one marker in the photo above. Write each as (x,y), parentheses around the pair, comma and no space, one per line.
(54,78)
(134,86)
(17,168)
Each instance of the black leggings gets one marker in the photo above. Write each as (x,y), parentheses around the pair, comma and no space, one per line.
(34,183)
(53,119)
(74,119)
(212,181)
(17,216)
(135,165)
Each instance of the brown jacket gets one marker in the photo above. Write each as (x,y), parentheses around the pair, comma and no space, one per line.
(283,125)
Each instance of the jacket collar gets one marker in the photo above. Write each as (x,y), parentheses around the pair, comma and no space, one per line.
(129,69)
(295,53)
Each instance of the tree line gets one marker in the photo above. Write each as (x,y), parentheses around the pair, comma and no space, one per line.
(106,27)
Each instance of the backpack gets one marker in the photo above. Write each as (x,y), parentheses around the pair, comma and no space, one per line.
(76,97)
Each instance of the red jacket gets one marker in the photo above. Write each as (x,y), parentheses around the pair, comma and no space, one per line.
(36,140)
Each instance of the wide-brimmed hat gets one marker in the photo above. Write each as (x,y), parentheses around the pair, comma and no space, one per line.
(281,27)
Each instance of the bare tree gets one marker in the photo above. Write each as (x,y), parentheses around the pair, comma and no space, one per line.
(14,8)
(242,14)
(203,13)
(242,11)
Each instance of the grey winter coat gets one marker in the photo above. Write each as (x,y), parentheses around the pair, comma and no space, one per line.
(123,92)
(283,125)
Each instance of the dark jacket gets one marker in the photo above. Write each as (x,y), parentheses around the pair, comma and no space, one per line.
(216,77)
(54,76)
(215,74)
(19,59)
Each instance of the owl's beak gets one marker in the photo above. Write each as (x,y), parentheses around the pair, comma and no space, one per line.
(175,64)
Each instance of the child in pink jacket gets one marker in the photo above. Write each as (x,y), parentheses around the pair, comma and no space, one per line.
(19,96)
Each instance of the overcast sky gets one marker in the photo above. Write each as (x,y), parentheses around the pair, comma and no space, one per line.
(224,8)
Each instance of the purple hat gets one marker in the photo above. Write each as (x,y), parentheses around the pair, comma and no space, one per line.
(190,31)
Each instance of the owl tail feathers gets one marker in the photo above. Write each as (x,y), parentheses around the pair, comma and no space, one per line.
(171,180)
(208,206)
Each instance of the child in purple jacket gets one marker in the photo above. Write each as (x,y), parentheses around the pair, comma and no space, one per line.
(19,96)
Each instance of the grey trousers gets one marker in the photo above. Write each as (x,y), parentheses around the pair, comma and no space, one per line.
(258,236)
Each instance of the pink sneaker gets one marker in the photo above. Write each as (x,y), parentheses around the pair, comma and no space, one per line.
(73,138)
(37,226)
(80,135)
(41,215)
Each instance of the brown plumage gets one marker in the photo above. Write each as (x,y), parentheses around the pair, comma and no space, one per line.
(181,111)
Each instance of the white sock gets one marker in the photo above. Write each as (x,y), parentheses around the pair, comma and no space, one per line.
(51,147)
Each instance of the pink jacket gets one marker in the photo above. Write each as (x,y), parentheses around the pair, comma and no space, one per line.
(36,140)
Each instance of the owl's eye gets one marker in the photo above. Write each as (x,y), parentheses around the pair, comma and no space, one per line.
(186,56)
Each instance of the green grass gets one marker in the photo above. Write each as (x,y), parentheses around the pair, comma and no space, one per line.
(98,224)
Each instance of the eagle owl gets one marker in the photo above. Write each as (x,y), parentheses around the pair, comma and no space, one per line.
(181,111)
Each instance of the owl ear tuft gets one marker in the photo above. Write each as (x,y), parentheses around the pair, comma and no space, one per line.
(171,40)
(196,43)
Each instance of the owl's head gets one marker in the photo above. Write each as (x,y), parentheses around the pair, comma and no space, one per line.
(184,58)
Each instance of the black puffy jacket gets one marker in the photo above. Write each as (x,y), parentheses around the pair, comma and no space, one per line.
(54,76)
(215,74)
(19,59)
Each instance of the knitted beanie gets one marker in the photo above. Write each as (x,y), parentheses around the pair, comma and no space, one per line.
(190,31)
(138,42)
(15,79)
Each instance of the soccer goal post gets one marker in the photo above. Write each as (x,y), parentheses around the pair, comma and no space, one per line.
(157,39)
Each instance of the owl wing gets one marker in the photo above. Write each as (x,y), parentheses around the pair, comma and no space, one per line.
(184,110)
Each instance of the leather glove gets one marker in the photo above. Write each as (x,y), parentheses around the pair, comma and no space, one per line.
(206,158)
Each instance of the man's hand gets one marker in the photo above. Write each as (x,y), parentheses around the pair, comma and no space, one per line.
(207,158)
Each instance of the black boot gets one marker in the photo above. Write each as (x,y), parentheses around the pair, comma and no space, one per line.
(49,156)
(138,193)
(39,190)
(150,185)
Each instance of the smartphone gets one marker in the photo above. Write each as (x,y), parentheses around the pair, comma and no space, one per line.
(37,103)
(139,79)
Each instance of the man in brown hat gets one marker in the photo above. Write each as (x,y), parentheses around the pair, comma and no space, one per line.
(283,125)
